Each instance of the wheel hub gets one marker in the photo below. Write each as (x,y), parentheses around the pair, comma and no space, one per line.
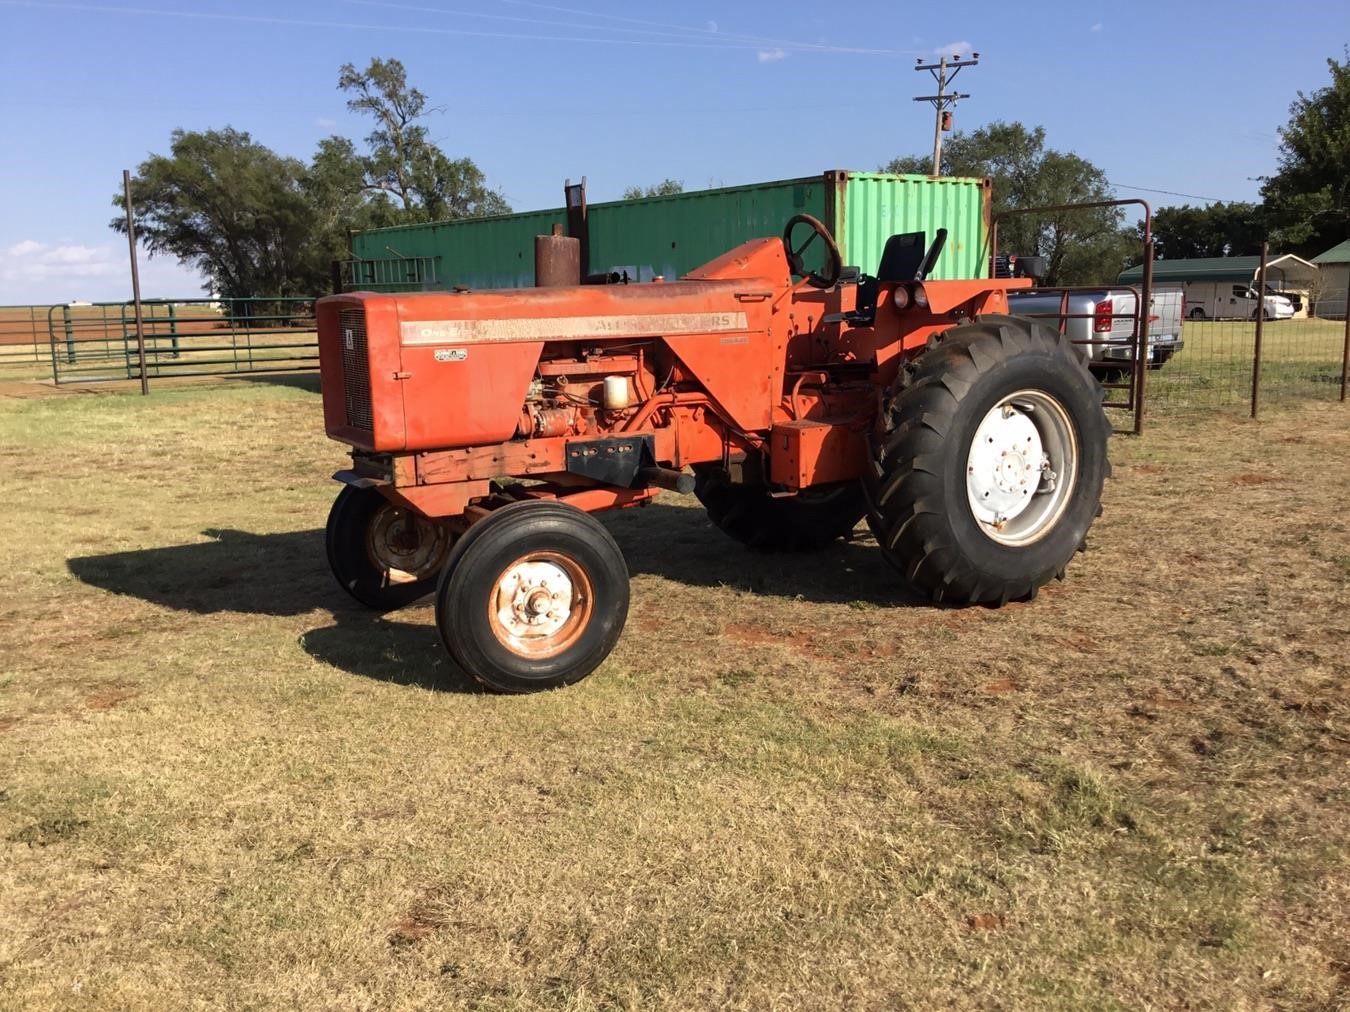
(1020,468)
(1005,465)
(533,600)
(407,546)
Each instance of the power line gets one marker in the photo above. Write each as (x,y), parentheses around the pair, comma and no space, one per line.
(724,40)
(1172,193)
(365,27)
(706,31)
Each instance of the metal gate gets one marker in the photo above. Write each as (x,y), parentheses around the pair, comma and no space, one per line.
(1127,395)
(97,342)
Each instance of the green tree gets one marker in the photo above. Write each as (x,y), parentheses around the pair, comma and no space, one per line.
(339,203)
(402,163)
(1081,247)
(1308,198)
(1221,229)
(232,208)
(661,189)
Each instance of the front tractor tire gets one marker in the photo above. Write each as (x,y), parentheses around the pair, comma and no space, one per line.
(807,521)
(383,554)
(992,466)
(534,596)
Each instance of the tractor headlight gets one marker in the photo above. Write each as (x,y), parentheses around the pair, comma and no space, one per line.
(920,299)
(900,296)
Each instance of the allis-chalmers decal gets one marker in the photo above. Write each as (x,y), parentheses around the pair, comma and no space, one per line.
(567,328)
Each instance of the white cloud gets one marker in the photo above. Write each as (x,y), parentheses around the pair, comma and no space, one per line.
(712,26)
(962,48)
(325,122)
(770,55)
(1096,28)
(33,260)
(39,273)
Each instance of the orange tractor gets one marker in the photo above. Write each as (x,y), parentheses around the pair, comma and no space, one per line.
(486,428)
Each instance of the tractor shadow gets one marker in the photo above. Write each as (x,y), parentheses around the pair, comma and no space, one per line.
(234,571)
(286,575)
(680,543)
(397,652)
(280,575)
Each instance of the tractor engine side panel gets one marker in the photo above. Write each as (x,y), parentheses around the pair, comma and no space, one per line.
(467,395)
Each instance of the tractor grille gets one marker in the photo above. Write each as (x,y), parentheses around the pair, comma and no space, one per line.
(356,369)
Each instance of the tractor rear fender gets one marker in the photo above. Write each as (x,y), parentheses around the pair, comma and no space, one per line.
(976,296)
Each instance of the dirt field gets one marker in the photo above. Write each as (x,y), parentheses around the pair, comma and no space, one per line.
(792,786)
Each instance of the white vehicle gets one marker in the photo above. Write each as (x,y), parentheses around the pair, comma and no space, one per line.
(1223,300)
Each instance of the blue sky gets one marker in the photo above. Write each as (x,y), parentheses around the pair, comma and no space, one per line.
(1174,96)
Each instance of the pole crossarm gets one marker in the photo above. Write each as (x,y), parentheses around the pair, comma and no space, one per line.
(944,72)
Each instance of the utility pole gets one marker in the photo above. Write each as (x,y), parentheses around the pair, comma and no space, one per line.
(942,101)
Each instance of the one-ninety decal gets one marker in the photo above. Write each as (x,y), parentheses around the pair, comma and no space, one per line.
(567,328)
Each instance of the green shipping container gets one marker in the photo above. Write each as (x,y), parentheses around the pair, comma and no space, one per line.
(674,234)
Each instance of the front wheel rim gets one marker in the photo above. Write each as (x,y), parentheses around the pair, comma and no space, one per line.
(1022,467)
(540,605)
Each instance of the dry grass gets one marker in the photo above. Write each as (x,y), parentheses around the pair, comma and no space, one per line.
(792,786)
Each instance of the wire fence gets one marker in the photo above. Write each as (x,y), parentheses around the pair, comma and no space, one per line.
(1300,358)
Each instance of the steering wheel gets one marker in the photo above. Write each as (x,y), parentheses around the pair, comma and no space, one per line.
(834,261)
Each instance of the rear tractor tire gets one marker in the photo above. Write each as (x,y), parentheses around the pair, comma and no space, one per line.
(384,555)
(992,467)
(533,596)
(807,521)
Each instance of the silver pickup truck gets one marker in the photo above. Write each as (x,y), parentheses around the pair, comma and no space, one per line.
(1101,324)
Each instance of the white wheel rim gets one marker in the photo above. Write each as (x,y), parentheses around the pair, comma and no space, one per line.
(1021,468)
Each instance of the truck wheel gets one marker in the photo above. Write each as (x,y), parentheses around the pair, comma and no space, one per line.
(804,522)
(991,471)
(534,596)
(382,554)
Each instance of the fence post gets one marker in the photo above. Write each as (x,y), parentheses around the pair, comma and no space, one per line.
(173,329)
(1142,346)
(135,283)
(70,334)
(32,329)
(1260,326)
(1345,350)
(126,339)
(51,344)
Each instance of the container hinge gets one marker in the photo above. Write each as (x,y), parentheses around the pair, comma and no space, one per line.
(402,375)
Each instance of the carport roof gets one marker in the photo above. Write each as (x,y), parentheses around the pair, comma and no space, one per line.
(1198,269)
(1336,255)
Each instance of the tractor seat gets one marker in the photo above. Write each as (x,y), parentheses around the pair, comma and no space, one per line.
(905,257)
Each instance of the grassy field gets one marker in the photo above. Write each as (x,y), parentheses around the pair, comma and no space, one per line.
(792,785)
